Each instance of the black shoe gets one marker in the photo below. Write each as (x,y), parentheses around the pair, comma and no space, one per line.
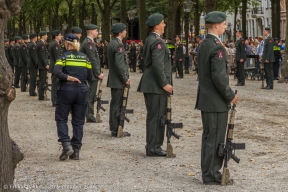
(239,84)
(91,121)
(160,153)
(17,86)
(75,155)
(269,87)
(179,77)
(113,134)
(66,151)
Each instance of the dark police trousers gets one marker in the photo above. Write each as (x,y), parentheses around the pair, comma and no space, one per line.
(72,97)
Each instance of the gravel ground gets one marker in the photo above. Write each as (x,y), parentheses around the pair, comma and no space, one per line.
(111,164)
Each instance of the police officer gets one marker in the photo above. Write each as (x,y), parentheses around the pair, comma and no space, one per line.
(43,64)
(132,56)
(55,51)
(23,61)
(179,56)
(32,63)
(118,74)
(155,83)
(88,47)
(73,69)
(10,52)
(268,58)
(240,58)
(214,96)
(277,56)
(16,56)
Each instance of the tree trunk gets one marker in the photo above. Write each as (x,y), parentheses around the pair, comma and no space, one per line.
(171,23)
(284,68)
(235,18)
(197,18)
(276,18)
(70,19)
(142,19)
(244,8)
(123,16)
(93,13)
(177,24)
(210,5)
(82,17)
(10,155)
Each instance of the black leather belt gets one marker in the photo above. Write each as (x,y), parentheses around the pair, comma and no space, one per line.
(74,83)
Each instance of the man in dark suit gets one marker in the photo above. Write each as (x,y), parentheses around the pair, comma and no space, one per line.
(16,56)
(118,74)
(155,83)
(10,52)
(213,97)
(132,56)
(32,63)
(43,64)
(268,58)
(240,58)
(23,60)
(179,56)
(88,47)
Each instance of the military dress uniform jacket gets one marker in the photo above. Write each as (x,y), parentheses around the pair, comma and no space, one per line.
(6,53)
(118,69)
(158,66)
(16,55)
(42,53)
(214,93)
(240,49)
(132,53)
(32,56)
(10,53)
(90,50)
(268,53)
(55,52)
(179,52)
(23,60)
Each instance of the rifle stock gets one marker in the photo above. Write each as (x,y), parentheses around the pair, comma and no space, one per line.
(121,113)
(99,103)
(227,150)
(166,120)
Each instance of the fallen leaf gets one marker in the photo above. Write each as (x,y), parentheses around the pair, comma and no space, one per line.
(191,174)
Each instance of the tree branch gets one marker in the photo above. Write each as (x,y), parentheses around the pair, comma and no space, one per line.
(100,7)
(112,5)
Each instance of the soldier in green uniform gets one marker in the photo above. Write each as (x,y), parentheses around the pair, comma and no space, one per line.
(268,58)
(155,83)
(16,56)
(32,63)
(10,52)
(6,43)
(214,96)
(179,56)
(23,61)
(118,74)
(43,64)
(55,51)
(240,58)
(77,31)
(101,53)
(88,47)
(132,56)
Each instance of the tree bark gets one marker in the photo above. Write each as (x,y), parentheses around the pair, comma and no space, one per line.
(235,18)
(142,19)
(284,68)
(210,5)
(197,15)
(123,16)
(276,18)
(177,24)
(10,155)
(244,8)
(171,23)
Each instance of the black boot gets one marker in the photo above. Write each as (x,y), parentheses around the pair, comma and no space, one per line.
(66,151)
(75,155)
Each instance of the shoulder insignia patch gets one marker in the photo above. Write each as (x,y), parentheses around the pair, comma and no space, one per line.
(217,42)
(56,48)
(120,49)
(42,46)
(33,47)
(270,41)
(220,54)
(90,46)
(159,46)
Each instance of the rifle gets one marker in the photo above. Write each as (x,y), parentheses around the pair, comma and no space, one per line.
(121,113)
(166,120)
(100,102)
(262,78)
(225,150)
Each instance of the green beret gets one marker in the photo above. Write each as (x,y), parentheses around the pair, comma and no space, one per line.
(215,17)
(77,30)
(55,32)
(32,35)
(24,37)
(118,28)
(17,38)
(6,40)
(154,19)
(11,39)
(267,29)
(42,33)
(91,27)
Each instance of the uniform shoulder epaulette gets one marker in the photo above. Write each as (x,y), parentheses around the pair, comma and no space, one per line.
(217,41)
